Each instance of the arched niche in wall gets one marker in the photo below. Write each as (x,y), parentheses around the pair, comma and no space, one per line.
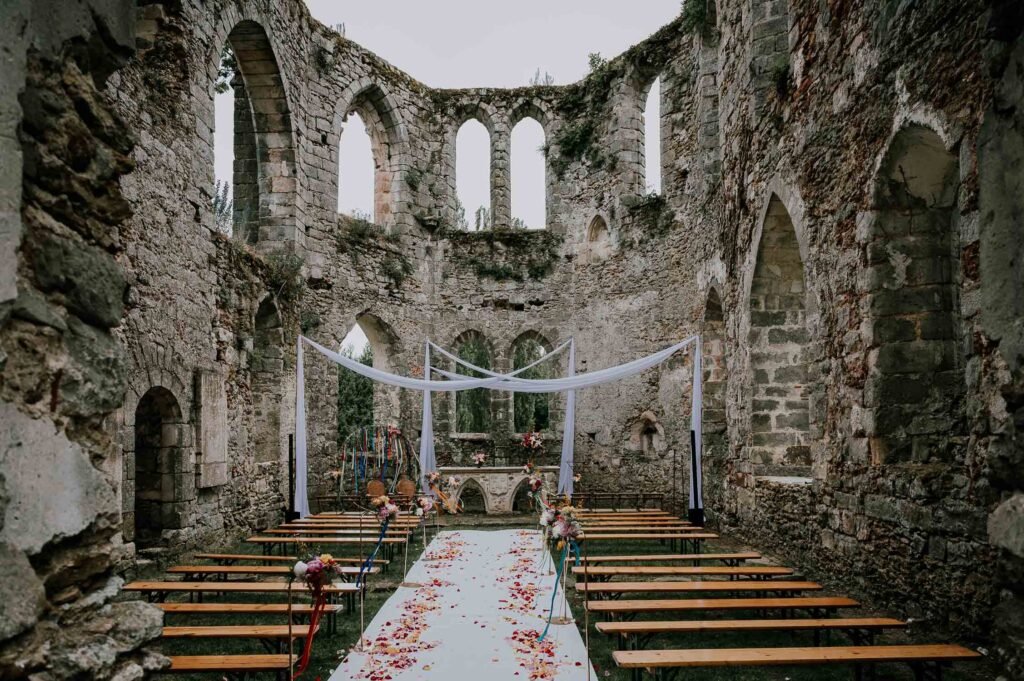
(528,175)
(164,479)
(472,497)
(263,190)
(472,413)
(598,245)
(716,374)
(915,386)
(370,112)
(531,411)
(267,368)
(383,342)
(473,176)
(778,346)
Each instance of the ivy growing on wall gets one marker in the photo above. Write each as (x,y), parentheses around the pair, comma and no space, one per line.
(507,255)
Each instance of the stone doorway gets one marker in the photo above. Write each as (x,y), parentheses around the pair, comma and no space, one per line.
(163,471)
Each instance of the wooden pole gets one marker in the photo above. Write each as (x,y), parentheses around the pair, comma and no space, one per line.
(291,639)
(586,610)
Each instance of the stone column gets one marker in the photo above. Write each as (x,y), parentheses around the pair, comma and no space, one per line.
(501,183)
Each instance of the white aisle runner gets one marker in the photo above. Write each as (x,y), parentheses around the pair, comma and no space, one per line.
(474,606)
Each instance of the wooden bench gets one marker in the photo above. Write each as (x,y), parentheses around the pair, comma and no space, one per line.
(276,609)
(691,540)
(817,606)
(370,534)
(272,636)
(598,573)
(616,589)
(222,571)
(158,591)
(925,660)
(232,666)
(230,558)
(727,558)
(268,543)
(635,635)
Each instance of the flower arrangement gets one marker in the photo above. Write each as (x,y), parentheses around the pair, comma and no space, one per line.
(479,458)
(452,482)
(566,526)
(424,505)
(433,478)
(318,571)
(577,477)
(529,468)
(547,516)
(536,483)
(385,509)
(532,441)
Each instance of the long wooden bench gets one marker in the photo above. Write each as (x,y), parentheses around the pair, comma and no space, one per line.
(223,571)
(237,666)
(616,589)
(925,660)
(817,606)
(268,543)
(271,636)
(599,573)
(370,534)
(230,558)
(635,635)
(692,540)
(276,609)
(158,591)
(727,558)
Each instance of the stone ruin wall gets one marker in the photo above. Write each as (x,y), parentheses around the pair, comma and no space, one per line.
(787,291)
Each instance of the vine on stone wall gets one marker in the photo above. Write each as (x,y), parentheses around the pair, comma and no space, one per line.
(507,255)
(357,235)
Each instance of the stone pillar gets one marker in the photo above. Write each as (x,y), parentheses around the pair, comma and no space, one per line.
(501,183)
(245,193)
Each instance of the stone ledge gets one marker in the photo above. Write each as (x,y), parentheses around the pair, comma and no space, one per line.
(795,480)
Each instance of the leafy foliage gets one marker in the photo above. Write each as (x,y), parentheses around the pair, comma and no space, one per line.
(473,407)
(284,275)
(222,208)
(651,213)
(525,253)
(226,70)
(546,79)
(698,17)
(530,411)
(355,394)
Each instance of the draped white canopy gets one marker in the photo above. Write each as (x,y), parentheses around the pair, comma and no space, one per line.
(510,382)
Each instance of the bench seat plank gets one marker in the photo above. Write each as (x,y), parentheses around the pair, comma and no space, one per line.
(353,532)
(238,631)
(233,587)
(681,570)
(691,604)
(710,626)
(241,608)
(183,664)
(745,657)
(668,557)
(238,557)
(632,536)
(671,587)
(325,540)
(275,570)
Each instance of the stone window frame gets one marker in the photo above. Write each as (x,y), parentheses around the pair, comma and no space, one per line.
(452,396)
(281,206)
(389,143)
(556,401)
(486,115)
(537,111)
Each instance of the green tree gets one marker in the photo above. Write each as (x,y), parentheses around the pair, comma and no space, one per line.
(473,407)
(222,207)
(355,395)
(530,411)
(225,70)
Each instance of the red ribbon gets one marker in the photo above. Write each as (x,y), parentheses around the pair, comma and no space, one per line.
(319,605)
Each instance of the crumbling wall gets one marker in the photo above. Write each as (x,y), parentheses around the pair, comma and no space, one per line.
(62,369)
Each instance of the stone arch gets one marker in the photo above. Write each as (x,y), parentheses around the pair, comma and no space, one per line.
(531,411)
(652,95)
(264,178)
(473,410)
(915,387)
(598,245)
(486,115)
(778,348)
(629,112)
(518,501)
(386,347)
(267,367)
(163,482)
(477,501)
(388,142)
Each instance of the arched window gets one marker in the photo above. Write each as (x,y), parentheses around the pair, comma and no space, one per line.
(473,176)
(652,138)
(356,170)
(915,387)
(262,193)
(778,342)
(599,242)
(531,411)
(159,460)
(529,184)
(362,402)
(473,407)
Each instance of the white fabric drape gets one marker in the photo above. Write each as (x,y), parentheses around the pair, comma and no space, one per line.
(487,372)
(301,497)
(428,458)
(507,382)
(565,467)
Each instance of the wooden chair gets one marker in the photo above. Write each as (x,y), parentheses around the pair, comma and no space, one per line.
(376,488)
(406,487)
(925,660)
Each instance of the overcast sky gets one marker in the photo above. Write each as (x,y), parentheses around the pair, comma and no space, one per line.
(466,43)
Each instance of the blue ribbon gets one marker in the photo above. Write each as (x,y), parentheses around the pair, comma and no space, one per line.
(558,576)
(368,563)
